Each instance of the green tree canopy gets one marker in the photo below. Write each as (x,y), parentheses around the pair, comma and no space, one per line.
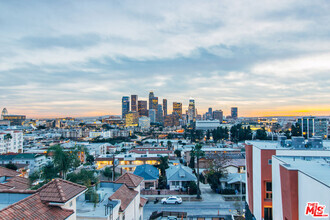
(11,166)
(163,165)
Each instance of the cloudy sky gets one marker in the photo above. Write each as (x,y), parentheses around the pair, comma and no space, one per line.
(78,58)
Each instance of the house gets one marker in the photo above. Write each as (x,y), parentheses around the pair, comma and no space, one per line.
(61,199)
(11,179)
(234,182)
(117,200)
(150,175)
(33,161)
(179,177)
(127,162)
(55,200)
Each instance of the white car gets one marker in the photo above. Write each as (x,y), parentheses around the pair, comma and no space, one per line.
(172,200)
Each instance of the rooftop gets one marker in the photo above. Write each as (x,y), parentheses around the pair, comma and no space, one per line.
(147,172)
(317,168)
(130,180)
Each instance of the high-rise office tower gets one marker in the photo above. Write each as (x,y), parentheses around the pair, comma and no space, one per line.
(143,108)
(209,114)
(152,115)
(159,117)
(218,115)
(234,112)
(165,107)
(191,110)
(151,96)
(132,119)
(134,103)
(177,108)
(154,103)
(124,106)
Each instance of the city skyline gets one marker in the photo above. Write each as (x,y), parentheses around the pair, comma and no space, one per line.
(266,59)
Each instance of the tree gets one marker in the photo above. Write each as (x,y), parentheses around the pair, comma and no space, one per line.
(238,133)
(49,172)
(192,188)
(90,159)
(8,137)
(217,169)
(107,172)
(63,160)
(163,165)
(198,153)
(192,159)
(261,134)
(34,176)
(11,166)
(177,153)
(83,177)
(169,145)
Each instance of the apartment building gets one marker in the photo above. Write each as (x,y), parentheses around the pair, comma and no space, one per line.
(281,181)
(11,141)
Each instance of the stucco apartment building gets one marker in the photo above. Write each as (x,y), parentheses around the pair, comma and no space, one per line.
(282,181)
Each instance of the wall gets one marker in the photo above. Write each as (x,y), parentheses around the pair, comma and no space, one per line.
(257,197)
(277,195)
(310,190)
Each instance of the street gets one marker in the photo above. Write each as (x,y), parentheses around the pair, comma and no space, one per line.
(192,208)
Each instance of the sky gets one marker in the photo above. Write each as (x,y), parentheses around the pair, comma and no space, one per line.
(78,58)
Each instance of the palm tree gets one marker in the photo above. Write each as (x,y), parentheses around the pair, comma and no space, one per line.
(63,160)
(198,153)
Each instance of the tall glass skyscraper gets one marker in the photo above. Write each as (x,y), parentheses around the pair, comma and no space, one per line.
(177,109)
(234,112)
(191,110)
(143,108)
(124,106)
(165,107)
(151,96)
(134,103)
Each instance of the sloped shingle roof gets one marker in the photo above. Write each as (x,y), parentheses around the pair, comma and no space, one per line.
(130,180)
(18,182)
(180,173)
(125,195)
(8,172)
(60,190)
(143,201)
(32,208)
(147,172)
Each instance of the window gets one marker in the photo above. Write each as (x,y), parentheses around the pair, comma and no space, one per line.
(268,186)
(270,161)
(70,204)
(269,190)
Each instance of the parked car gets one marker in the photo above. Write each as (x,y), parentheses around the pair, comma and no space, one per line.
(172,200)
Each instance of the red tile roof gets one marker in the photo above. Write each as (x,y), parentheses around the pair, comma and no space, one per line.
(32,207)
(60,191)
(143,201)
(8,172)
(125,195)
(130,180)
(17,182)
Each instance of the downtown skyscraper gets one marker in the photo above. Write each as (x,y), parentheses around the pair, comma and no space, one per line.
(124,106)
(134,103)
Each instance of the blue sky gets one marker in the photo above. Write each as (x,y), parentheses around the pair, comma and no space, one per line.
(78,58)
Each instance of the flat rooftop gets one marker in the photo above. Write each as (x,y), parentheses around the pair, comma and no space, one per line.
(87,209)
(317,168)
